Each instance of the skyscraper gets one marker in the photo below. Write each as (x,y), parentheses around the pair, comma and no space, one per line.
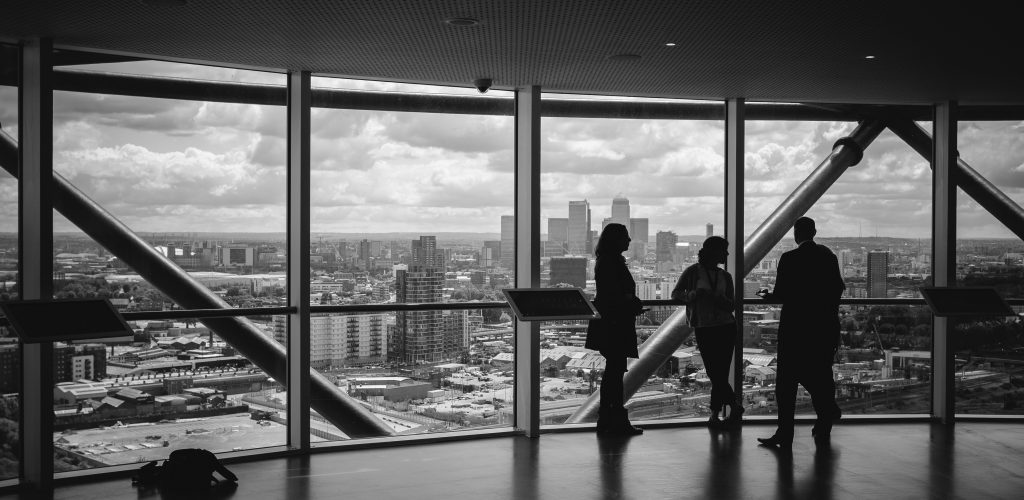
(558,236)
(639,234)
(419,335)
(665,244)
(878,270)
(710,230)
(620,210)
(508,241)
(579,228)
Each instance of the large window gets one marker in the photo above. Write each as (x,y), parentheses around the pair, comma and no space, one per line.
(10,353)
(200,188)
(876,218)
(662,179)
(990,351)
(412,207)
(202,183)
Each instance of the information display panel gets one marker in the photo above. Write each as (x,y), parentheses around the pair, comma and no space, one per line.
(36,321)
(965,301)
(544,304)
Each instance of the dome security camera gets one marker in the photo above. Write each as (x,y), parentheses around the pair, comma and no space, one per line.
(482,84)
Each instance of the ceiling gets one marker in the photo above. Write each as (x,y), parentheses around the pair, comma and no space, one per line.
(802,51)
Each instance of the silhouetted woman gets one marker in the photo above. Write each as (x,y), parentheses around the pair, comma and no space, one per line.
(707,291)
(614,335)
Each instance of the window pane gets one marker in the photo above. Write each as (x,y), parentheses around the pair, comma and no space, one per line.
(10,352)
(989,361)
(202,183)
(663,180)
(412,207)
(876,218)
(178,386)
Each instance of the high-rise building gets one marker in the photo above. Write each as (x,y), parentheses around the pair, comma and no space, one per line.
(426,255)
(508,241)
(579,235)
(568,270)
(620,210)
(419,335)
(558,237)
(878,270)
(340,340)
(647,290)
(490,254)
(639,233)
(709,230)
(364,250)
(665,245)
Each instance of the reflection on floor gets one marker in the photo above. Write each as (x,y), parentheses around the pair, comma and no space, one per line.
(912,460)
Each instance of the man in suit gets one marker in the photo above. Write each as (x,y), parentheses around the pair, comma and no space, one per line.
(809,285)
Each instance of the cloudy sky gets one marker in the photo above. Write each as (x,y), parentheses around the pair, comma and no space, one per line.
(165,165)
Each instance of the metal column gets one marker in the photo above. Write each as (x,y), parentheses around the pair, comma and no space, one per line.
(527,258)
(943,255)
(734,137)
(35,229)
(847,152)
(969,180)
(298,259)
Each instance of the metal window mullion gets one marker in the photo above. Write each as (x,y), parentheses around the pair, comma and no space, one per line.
(527,257)
(734,137)
(944,159)
(298,382)
(35,228)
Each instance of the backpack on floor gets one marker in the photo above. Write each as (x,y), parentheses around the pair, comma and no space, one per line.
(187,469)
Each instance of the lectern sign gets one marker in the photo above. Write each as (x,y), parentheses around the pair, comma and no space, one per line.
(543,304)
(65,320)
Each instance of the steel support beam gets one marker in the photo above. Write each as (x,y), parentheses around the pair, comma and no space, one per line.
(527,257)
(35,242)
(734,153)
(846,153)
(990,197)
(653,353)
(298,259)
(344,412)
(944,159)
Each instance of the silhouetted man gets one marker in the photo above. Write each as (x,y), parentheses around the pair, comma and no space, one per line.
(808,284)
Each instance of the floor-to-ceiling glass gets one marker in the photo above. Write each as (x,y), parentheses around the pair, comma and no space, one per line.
(10,352)
(663,180)
(191,195)
(989,351)
(876,218)
(412,204)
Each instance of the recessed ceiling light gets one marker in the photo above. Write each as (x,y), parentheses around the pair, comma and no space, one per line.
(670,44)
(164,3)
(869,57)
(624,57)
(462,21)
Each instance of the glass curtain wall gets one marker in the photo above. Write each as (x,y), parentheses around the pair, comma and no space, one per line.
(876,218)
(990,351)
(10,353)
(201,187)
(413,207)
(663,180)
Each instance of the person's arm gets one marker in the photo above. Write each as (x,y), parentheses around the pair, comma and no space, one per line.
(727,303)
(837,277)
(683,292)
(778,293)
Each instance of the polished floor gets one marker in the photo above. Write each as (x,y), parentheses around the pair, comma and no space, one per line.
(871,461)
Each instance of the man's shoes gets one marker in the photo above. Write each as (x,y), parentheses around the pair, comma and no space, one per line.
(735,418)
(776,442)
(620,430)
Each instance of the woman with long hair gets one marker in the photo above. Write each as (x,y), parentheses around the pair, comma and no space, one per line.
(614,334)
(707,291)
